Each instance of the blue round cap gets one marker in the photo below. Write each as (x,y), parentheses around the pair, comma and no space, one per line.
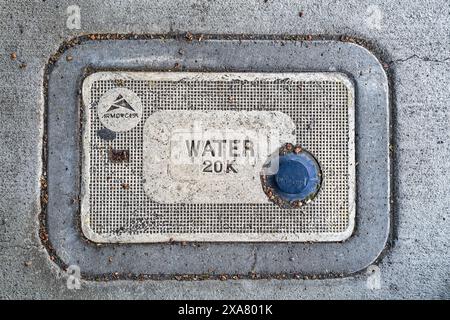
(292,176)
(297,180)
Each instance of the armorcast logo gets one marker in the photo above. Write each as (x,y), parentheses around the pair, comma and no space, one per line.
(120,109)
(120,102)
(121,115)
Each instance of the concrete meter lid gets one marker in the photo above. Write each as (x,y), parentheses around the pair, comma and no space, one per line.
(196,145)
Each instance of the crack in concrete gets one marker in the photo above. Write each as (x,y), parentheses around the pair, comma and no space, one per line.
(19,246)
(425,59)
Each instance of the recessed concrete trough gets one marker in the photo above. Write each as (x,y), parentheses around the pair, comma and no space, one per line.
(155,213)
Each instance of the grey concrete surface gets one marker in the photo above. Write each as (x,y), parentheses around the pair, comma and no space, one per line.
(412,37)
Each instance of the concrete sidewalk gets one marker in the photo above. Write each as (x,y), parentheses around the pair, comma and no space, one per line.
(410,37)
